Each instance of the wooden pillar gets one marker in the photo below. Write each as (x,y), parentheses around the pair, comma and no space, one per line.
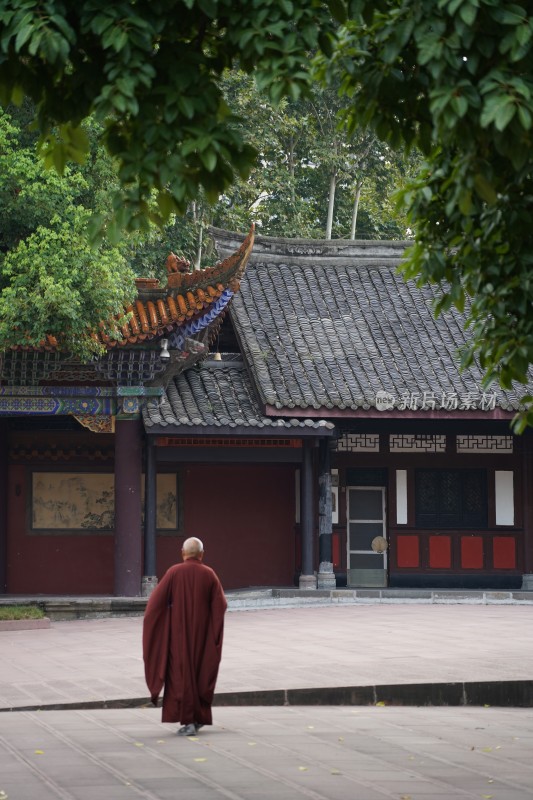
(307,577)
(149,580)
(3,505)
(326,576)
(128,472)
(527,503)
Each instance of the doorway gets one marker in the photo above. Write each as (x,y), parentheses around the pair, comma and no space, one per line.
(366,536)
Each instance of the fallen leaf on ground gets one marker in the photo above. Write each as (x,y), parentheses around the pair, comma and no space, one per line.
(302,769)
(200,759)
(39,752)
(138,744)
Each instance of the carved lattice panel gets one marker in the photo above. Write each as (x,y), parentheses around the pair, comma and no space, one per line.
(358,442)
(484,444)
(417,443)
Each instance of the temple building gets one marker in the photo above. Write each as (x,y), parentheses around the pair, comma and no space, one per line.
(297,406)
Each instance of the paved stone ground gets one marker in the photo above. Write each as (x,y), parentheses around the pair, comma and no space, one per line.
(288,648)
(262,753)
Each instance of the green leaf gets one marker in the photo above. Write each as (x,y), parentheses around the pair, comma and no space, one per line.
(485,189)
(338,10)
(287,6)
(505,113)
(101,22)
(209,159)
(524,115)
(166,204)
(465,203)
(468,13)
(498,109)
(23,35)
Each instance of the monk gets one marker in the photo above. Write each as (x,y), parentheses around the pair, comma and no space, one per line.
(182,640)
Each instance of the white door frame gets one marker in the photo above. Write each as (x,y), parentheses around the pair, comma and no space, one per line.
(382,521)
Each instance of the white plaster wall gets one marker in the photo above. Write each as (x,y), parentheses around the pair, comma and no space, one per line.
(504,494)
(401,497)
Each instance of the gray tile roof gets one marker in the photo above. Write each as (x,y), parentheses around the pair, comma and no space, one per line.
(328,325)
(219,395)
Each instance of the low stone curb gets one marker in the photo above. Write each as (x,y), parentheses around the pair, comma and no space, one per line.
(507,694)
(70,608)
(24,624)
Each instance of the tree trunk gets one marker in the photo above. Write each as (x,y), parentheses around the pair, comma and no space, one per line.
(331,204)
(292,170)
(358,187)
(198,261)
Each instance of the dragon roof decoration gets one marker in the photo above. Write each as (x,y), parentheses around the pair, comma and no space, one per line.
(187,297)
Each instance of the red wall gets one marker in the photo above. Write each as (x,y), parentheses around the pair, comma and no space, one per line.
(245,516)
(59,564)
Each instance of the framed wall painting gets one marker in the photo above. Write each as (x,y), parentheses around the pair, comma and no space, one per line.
(84,502)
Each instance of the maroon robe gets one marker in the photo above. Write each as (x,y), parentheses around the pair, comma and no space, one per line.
(182,641)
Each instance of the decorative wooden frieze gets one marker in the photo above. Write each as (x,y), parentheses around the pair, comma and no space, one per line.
(97,424)
(484,444)
(35,453)
(358,443)
(193,441)
(52,406)
(417,443)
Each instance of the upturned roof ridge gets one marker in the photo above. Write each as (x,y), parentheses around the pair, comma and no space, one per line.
(274,249)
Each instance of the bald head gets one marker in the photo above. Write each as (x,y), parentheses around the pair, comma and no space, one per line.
(192,548)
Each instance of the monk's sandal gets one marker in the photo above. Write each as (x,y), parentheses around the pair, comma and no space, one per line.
(187,730)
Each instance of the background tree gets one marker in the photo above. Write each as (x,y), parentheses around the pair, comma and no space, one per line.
(281,135)
(52,282)
(303,158)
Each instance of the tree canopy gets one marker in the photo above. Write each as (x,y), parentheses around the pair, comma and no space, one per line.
(453,78)
(148,70)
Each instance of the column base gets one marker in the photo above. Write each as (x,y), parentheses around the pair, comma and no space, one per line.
(527,582)
(148,584)
(307,582)
(326,577)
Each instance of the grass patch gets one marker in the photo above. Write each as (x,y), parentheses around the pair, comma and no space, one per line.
(20,612)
